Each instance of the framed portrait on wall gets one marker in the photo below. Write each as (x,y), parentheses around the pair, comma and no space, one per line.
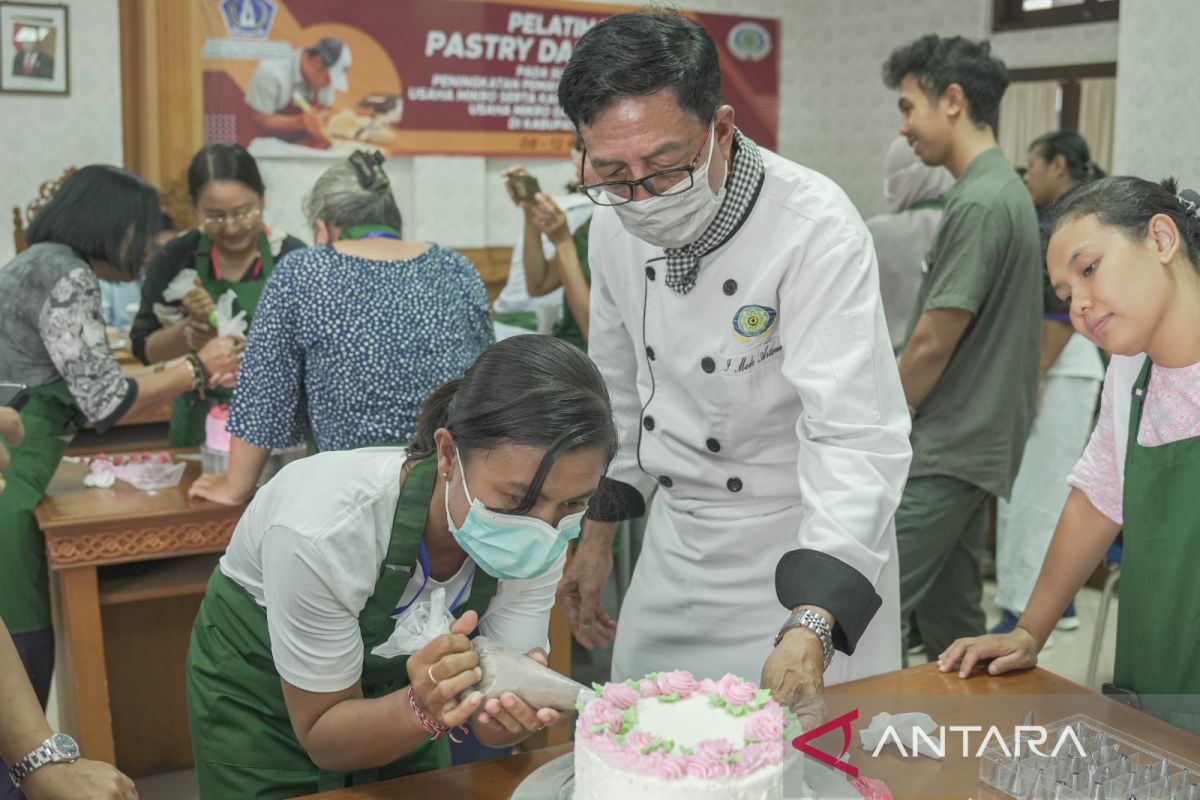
(33,48)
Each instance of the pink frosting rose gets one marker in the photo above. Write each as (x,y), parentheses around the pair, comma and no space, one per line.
(765,724)
(707,770)
(620,695)
(639,739)
(738,693)
(601,712)
(679,682)
(757,756)
(648,688)
(712,751)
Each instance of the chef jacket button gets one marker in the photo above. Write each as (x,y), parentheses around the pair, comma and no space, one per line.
(648,422)
(734,484)
(665,481)
(650,352)
(713,445)
(650,273)
(730,286)
(707,364)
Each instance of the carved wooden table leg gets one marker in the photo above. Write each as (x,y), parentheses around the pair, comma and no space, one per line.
(87,676)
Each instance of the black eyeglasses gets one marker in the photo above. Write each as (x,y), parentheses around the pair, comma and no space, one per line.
(660,184)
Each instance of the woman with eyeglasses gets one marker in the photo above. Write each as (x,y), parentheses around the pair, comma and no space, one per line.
(230,249)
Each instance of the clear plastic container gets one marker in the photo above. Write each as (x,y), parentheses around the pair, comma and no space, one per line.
(1110,765)
(217,463)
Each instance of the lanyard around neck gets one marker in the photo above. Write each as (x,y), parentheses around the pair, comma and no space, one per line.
(423,557)
(371,232)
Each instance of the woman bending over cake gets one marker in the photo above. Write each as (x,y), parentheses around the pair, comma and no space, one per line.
(1125,254)
(351,335)
(289,691)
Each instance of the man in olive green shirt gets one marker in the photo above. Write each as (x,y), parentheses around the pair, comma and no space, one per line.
(970,368)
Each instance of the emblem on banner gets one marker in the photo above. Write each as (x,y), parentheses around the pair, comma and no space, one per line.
(749,41)
(250,19)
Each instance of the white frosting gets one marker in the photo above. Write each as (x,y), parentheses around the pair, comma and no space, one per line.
(596,779)
(689,721)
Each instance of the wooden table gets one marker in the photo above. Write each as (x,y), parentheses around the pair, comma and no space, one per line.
(129,568)
(982,700)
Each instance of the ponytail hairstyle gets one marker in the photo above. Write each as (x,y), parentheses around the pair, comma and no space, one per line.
(1074,150)
(354,192)
(1128,204)
(527,390)
(223,161)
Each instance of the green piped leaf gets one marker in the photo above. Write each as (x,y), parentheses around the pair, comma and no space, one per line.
(579,706)
(732,758)
(716,701)
(619,739)
(650,748)
(631,719)
(632,684)
(652,676)
(667,745)
(737,711)
(752,741)
(600,726)
(685,751)
(668,698)
(598,689)
(761,698)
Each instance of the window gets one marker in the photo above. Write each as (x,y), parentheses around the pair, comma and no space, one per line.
(1010,15)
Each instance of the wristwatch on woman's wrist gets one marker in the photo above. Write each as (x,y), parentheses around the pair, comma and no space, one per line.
(58,749)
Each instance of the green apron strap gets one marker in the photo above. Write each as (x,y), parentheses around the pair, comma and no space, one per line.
(1156,649)
(50,419)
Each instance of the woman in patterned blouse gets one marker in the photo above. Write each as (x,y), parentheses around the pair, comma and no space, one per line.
(350,335)
(100,224)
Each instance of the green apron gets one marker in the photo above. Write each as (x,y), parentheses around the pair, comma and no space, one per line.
(241,733)
(568,328)
(1157,647)
(51,419)
(189,411)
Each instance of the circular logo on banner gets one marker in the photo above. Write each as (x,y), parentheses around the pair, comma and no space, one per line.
(749,41)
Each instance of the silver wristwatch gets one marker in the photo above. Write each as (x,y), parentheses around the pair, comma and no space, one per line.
(58,749)
(815,623)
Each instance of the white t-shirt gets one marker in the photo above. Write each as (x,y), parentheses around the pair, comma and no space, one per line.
(276,79)
(309,547)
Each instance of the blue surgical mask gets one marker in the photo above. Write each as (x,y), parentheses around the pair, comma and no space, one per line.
(510,546)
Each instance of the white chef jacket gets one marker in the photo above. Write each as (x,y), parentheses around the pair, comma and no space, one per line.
(808,414)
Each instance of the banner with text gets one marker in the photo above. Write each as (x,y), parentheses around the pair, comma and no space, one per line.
(409,77)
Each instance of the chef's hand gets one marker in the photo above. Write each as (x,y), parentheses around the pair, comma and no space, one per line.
(198,303)
(580,589)
(11,432)
(509,716)
(1007,651)
(794,672)
(197,334)
(218,489)
(79,780)
(513,170)
(444,668)
(222,355)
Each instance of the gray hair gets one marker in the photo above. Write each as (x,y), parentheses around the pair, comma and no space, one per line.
(339,198)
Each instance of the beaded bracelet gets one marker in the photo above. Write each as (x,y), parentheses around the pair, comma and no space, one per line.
(429,725)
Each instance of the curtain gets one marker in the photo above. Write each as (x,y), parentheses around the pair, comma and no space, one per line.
(1029,109)
(1097,104)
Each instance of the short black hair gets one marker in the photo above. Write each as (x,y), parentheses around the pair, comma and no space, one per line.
(103,213)
(637,54)
(223,162)
(1128,204)
(1074,150)
(531,390)
(938,62)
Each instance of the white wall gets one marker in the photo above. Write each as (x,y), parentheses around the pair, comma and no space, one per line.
(1158,92)
(42,135)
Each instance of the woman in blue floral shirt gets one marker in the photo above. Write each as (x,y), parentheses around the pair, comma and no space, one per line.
(350,336)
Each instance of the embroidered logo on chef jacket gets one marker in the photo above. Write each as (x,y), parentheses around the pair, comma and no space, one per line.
(753,322)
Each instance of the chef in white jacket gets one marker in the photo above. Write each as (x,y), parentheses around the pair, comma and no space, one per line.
(736,316)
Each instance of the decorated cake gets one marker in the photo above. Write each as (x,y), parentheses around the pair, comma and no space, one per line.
(216,429)
(671,736)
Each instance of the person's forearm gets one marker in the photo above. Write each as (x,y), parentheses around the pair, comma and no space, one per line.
(539,278)
(280,123)
(167,343)
(575,285)
(598,534)
(360,734)
(246,462)
(23,725)
(921,367)
(1081,538)
(156,388)
(1055,335)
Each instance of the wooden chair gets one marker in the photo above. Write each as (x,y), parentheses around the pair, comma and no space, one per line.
(45,192)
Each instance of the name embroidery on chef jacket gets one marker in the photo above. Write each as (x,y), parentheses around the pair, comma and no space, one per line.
(753,324)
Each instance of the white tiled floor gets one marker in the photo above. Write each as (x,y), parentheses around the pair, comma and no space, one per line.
(1067,655)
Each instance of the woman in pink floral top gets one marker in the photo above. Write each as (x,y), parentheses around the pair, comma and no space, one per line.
(1125,253)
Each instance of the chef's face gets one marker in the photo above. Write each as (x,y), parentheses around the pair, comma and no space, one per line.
(638,136)
(230,213)
(1117,288)
(501,475)
(925,122)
